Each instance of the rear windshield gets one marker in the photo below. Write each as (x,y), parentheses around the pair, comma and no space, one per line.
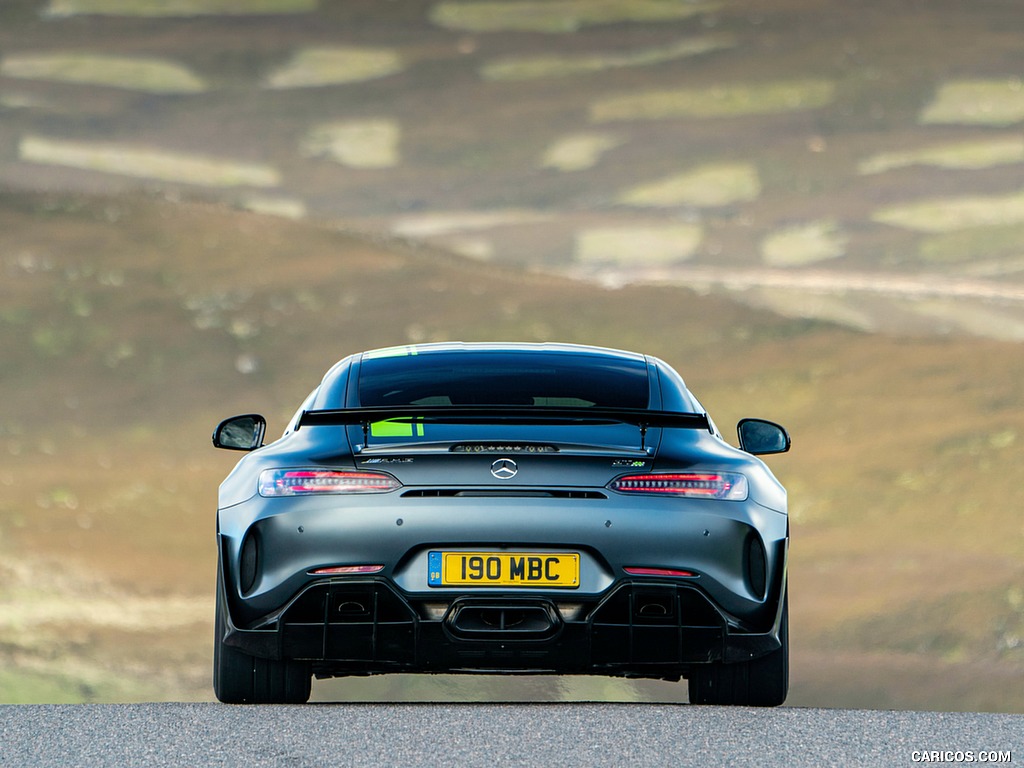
(504,378)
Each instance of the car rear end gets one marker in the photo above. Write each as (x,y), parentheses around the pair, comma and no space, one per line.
(514,543)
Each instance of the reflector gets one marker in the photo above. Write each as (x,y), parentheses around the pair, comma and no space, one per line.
(344,570)
(635,571)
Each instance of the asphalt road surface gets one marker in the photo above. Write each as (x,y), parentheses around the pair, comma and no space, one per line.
(548,735)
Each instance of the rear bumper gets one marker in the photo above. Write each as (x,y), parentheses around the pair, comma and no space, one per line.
(637,629)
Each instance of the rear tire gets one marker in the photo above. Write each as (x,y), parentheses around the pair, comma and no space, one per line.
(761,682)
(239,678)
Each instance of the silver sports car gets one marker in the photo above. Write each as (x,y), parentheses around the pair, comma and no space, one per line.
(502,508)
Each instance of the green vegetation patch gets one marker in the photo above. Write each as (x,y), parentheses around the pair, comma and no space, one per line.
(284,207)
(579,151)
(954,213)
(441,223)
(23,101)
(843,310)
(146,163)
(708,185)
(977,102)
(541,67)
(67,683)
(805,244)
(979,244)
(722,101)
(355,143)
(633,246)
(315,67)
(971,155)
(987,321)
(479,248)
(555,16)
(177,7)
(136,74)
(484,688)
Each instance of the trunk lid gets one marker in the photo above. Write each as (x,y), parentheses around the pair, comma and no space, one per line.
(516,466)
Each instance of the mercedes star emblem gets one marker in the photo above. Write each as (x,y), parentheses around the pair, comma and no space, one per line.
(503,469)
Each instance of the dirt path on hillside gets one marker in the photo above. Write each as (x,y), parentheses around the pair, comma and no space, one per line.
(812,281)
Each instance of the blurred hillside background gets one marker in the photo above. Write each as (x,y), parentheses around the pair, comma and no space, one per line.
(813,209)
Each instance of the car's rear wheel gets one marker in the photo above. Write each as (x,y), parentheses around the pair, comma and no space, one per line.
(239,678)
(762,682)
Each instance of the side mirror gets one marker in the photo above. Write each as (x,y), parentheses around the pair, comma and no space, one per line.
(761,437)
(240,433)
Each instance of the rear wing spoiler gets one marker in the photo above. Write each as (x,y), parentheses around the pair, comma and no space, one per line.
(519,414)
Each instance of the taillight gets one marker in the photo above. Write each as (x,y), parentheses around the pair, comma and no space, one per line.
(306,482)
(726,486)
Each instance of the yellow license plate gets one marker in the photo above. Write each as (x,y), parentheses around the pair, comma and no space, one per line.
(504,569)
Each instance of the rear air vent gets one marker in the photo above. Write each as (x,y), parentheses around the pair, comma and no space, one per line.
(756,566)
(503,493)
(503,448)
(249,563)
